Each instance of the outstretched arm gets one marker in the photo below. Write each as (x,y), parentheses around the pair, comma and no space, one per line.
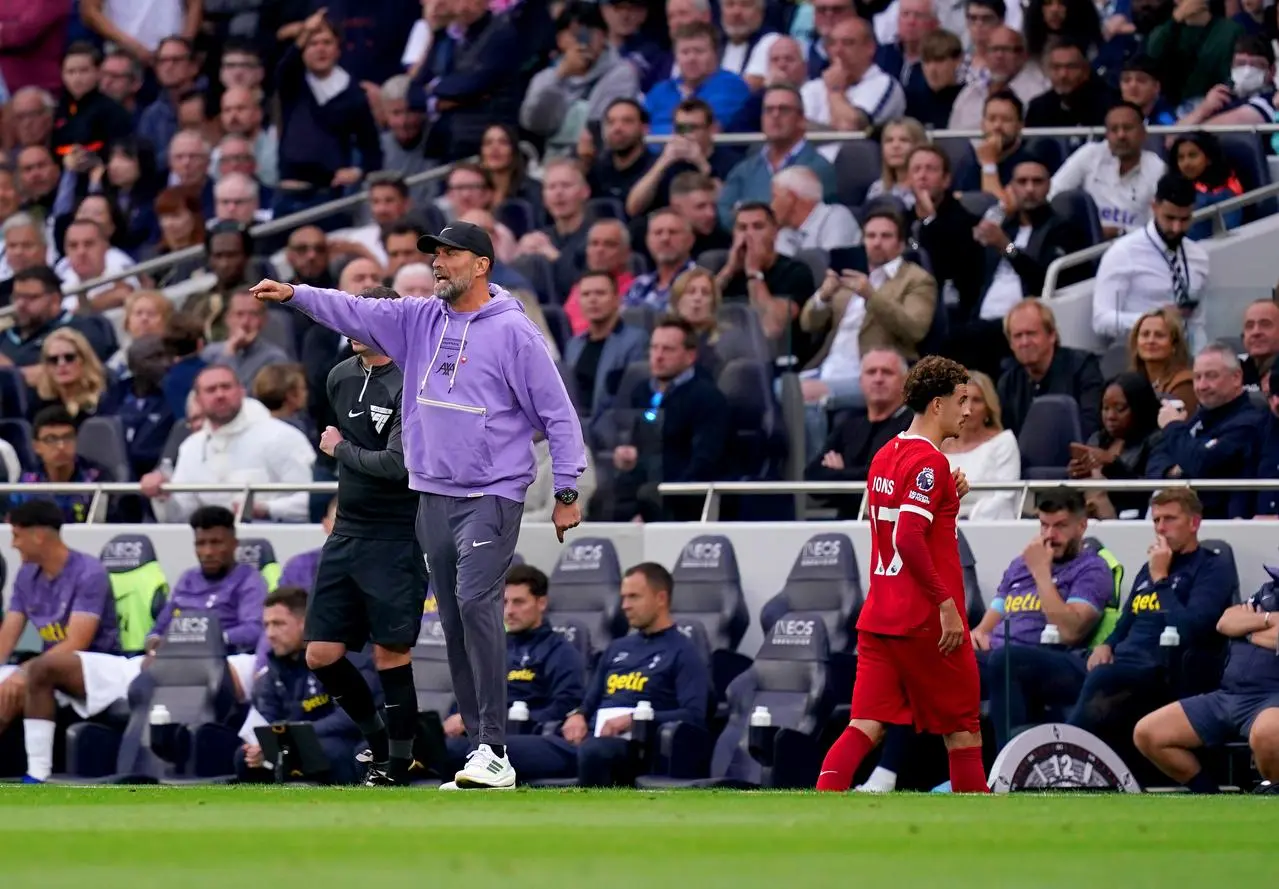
(380,323)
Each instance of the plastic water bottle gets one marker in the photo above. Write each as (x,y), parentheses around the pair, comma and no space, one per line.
(160,715)
(1169,638)
(643,712)
(517,716)
(761,718)
(1050,635)
(995,213)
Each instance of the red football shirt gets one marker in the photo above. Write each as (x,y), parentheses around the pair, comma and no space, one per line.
(910,476)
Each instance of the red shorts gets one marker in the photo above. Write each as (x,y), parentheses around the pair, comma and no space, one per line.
(905,679)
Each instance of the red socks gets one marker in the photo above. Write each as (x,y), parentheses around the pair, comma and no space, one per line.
(966,772)
(843,758)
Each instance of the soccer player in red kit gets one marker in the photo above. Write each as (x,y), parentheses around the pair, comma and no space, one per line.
(915,661)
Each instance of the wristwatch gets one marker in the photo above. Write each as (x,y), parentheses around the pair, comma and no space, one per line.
(1011,250)
(755,276)
(568,496)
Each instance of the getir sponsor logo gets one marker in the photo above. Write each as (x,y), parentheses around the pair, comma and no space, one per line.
(632,681)
(53,632)
(314,702)
(1145,602)
(521,675)
(1024,602)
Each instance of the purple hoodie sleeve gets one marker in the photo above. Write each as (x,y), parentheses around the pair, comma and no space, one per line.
(381,323)
(541,393)
(252,599)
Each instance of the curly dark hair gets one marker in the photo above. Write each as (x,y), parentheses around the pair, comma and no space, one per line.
(933,377)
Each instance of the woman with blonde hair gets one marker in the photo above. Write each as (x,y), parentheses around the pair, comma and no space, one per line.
(1159,351)
(986,452)
(696,297)
(146,313)
(897,140)
(73,376)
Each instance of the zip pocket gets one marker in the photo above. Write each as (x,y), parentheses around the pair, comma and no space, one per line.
(465,408)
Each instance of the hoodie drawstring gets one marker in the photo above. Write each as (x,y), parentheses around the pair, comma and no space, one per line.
(461,350)
(434,355)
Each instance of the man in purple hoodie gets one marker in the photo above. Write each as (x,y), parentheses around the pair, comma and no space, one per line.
(479,381)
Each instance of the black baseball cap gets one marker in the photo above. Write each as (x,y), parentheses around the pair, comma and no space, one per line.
(459,236)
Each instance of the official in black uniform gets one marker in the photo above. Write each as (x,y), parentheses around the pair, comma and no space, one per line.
(371,582)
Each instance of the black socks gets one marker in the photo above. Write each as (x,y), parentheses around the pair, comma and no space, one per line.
(343,682)
(499,750)
(401,714)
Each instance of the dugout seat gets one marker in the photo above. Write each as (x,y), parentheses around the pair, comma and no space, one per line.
(976,604)
(258,552)
(696,633)
(1221,548)
(788,677)
(577,634)
(708,590)
(431,676)
(138,586)
(824,580)
(189,676)
(585,587)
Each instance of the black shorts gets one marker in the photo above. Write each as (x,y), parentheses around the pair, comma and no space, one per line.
(367,590)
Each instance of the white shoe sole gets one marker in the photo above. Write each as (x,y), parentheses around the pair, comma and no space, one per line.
(449,785)
(464,782)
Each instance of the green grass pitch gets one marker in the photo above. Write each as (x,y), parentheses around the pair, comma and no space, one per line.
(311,838)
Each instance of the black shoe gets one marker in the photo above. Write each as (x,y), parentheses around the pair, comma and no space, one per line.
(379,775)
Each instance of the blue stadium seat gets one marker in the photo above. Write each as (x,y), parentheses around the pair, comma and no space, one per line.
(977,202)
(558,324)
(1078,207)
(788,677)
(100,332)
(518,215)
(712,260)
(695,632)
(577,634)
(541,275)
(857,166)
(818,261)
(1221,548)
(13,393)
(604,208)
(1244,153)
(1114,360)
(1048,150)
(756,438)
(278,329)
(708,590)
(824,580)
(101,439)
(570,386)
(1051,424)
(586,587)
(18,433)
(959,152)
(642,317)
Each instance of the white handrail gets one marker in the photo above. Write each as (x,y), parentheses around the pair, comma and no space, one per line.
(1027,133)
(714,490)
(102,491)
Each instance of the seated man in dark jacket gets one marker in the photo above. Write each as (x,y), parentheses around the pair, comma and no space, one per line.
(1043,366)
(1170,617)
(1246,707)
(544,671)
(144,409)
(1221,440)
(286,691)
(657,664)
(678,423)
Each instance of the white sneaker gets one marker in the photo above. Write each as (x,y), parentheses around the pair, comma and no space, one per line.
(449,785)
(485,769)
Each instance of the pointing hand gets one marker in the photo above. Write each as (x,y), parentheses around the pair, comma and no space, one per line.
(272,291)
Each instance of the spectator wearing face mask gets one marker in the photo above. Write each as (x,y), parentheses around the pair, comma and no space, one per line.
(1248,96)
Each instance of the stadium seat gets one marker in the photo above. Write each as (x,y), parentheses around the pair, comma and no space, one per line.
(788,677)
(958,151)
(278,329)
(1244,153)
(818,261)
(99,330)
(604,208)
(136,576)
(190,678)
(13,393)
(431,676)
(1114,361)
(972,587)
(642,317)
(708,590)
(586,587)
(824,580)
(557,323)
(258,552)
(570,386)
(857,166)
(1048,150)
(101,439)
(541,275)
(977,202)
(695,631)
(713,260)
(18,433)
(518,215)
(754,418)
(1221,548)
(1051,424)
(1078,207)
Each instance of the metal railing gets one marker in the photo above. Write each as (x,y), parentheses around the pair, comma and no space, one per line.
(714,490)
(1215,212)
(1027,133)
(102,492)
(274,227)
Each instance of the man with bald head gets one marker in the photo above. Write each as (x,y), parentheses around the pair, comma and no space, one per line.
(786,65)
(853,93)
(415,279)
(242,116)
(31,110)
(1010,69)
(235,199)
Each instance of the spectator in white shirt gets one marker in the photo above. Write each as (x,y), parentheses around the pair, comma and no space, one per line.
(806,222)
(1118,174)
(986,452)
(747,44)
(88,256)
(1157,265)
(239,443)
(853,94)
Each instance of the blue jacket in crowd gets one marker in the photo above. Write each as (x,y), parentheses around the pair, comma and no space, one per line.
(1217,443)
(544,671)
(663,668)
(1198,588)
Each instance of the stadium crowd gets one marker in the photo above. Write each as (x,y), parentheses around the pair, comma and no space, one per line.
(687,288)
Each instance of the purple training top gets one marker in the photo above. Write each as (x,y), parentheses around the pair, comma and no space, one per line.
(237,598)
(1085,578)
(81,587)
(300,570)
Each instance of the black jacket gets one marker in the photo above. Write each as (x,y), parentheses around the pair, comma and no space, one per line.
(94,122)
(948,239)
(1051,237)
(1214,443)
(374,500)
(1073,372)
(318,140)
(1085,107)
(857,439)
